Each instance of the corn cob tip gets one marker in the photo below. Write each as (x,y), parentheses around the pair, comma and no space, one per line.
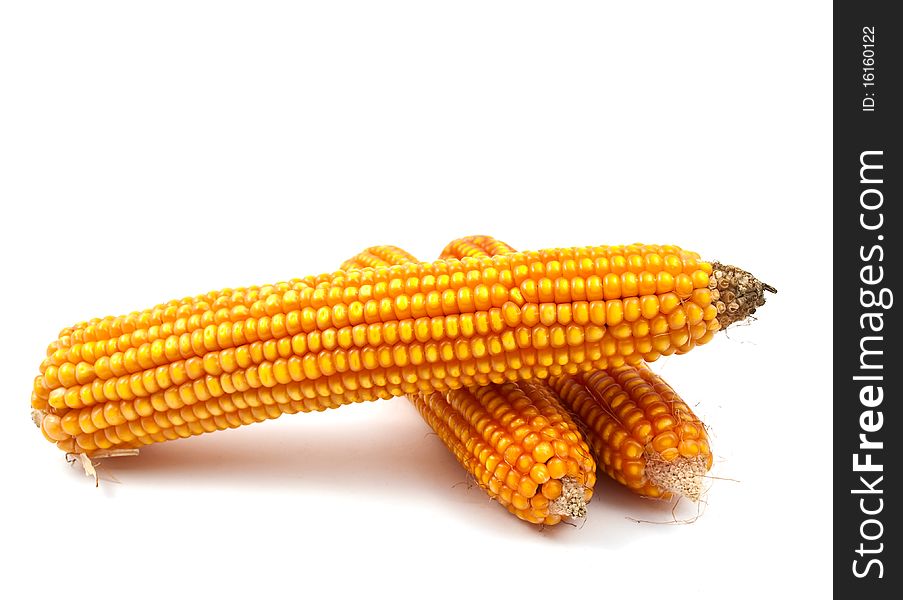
(681,476)
(736,293)
(572,501)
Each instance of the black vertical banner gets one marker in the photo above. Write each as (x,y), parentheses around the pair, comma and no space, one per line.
(868,221)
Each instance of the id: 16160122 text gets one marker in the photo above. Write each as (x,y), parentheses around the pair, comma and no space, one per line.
(868,69)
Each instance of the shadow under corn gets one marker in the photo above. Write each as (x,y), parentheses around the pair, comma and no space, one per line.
(380,448)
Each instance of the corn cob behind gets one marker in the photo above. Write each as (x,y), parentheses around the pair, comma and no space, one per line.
(643,434)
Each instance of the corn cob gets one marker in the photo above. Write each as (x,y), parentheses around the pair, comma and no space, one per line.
(515,439)
(518,444)
(232,357)
(642,433)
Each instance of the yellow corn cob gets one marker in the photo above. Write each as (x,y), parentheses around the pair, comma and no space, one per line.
(518,444)
(644,436)
(237,356)
(515,439)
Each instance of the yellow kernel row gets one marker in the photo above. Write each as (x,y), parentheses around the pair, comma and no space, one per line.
(310,356)
(133,425)
(329,289)
(674,316)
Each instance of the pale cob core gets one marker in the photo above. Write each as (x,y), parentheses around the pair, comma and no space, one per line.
(572,501)
(232,357)
(643,434)
(680,476)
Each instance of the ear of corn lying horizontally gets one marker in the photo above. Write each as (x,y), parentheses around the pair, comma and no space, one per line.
(516,440)
(238,356)
(643,434)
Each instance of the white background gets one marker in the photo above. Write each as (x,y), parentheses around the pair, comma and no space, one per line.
(155,150)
